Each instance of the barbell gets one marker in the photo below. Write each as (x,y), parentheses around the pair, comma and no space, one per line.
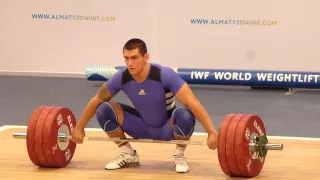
(242,142)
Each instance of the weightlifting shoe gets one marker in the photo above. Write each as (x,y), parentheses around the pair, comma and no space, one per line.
(181,163)
(124,160)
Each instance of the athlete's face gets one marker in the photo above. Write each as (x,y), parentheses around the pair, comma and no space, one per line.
(135,61)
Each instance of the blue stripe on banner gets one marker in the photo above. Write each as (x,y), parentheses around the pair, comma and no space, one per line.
(246,77)
(251,78)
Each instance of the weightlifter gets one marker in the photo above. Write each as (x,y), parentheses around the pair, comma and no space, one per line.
(152,89)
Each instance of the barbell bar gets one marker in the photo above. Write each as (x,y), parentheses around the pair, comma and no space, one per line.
(63,137)
(242,143)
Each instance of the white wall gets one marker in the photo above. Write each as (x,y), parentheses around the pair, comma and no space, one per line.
(67,46)
(293,44)
(29,44)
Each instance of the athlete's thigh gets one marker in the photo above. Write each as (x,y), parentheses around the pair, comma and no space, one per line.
(166,132)
(133,124)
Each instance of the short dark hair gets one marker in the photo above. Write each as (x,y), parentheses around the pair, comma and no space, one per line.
(136,43)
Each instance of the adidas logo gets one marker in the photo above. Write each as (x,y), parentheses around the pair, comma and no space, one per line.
(141,92)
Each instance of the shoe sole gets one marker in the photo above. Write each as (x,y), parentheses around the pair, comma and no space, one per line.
(127,166)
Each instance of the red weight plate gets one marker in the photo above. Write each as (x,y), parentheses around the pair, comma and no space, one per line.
(249,164)
(38,136)
(230,149)
(30,137)
(59,120)
(221,143)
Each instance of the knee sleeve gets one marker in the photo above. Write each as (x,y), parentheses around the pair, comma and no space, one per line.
(184,122)
(107,117)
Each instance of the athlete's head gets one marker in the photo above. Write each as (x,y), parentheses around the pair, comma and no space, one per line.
(136,55)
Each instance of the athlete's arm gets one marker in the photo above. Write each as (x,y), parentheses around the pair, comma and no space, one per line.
(103,95)
(185,95)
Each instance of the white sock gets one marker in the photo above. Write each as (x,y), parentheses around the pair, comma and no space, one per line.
(179,151)
(127,149)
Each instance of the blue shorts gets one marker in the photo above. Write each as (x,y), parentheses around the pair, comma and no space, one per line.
(134,126)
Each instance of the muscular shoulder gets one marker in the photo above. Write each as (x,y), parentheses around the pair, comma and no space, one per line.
(161,73)
(170,79)
(114,84)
